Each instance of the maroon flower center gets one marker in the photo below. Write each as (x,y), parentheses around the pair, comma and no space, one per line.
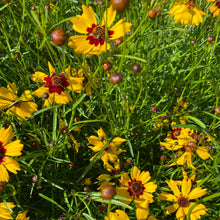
(2,153)
(108,148)
(97,34)
(183,202)
(56,83)
(218,4)
(190,3)
(190,146)
(136,188)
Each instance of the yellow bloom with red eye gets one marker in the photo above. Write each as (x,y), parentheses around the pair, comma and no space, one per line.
(111,152)
(94,39)
(187,12)
(8,150)
(182,200)
(138,188)
(5,213)
(22,216)
(22,106)
(187,142)
(55,86)
(215,9)
(117,215)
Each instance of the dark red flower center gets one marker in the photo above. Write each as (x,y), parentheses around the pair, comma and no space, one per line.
(136,188)
(190,3)
(183,202)
(56,83)
(108,148)
(2,153)
(218,4)
(97,34)
(190,146)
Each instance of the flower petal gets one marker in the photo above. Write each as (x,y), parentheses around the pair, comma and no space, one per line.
(14,148)
(173,186)
(203,153)
(197,192)
(108,16)
(125,179)
(11,165)
(6,135)
(171,208)
(38,77)
(123,191)
(135,173)
(120,29)
(167,196)
(4,177)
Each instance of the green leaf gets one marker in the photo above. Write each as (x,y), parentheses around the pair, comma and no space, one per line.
(196,120)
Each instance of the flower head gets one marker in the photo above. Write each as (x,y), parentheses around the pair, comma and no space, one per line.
(138,188)
(95,35)
(22,216)
(187,142)
(55,86)
(111,152)
(215,9)
(22,106)
(6,151)
(187,12)
(5,213)
(182,200)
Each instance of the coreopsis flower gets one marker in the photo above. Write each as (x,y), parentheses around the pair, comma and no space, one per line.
(187,142)
(111,152)
(117,215)
(187,12)
(5,213)
(22,106)
(138,188)
(55,86)
(7,150)
(215,9)
(64,129)
(182,200)
(22,216)
(110,179)
(95,35)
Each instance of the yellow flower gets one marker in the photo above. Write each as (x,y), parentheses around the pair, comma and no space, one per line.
(55,87)
(6,151)
(94,39)
(20,106)
(111,152)
(22,216)
(215,9)
(5,213)
(113,171)
(187,12)
(117,215)
(187,142)
(182,200)
(64,129)
(138,188)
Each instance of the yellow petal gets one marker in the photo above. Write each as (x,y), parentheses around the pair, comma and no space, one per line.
(118,141)
(144,177)
(89,14)
(171,208)
(39,92)
(135,173)
(197,192)
(203,153)
(51,69)
(120,29)
(80,44)
(101,134)
(108,16)
(5,213)
(11,165)
(14,148)
(62,98)
(125,179)
(122,191)
(38,77)
(167,196)
(150,187)
(173,186)
(142,213)
(22,216)
(6,135)
(4,177)
(186,187)
(94,140)
(180,214)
